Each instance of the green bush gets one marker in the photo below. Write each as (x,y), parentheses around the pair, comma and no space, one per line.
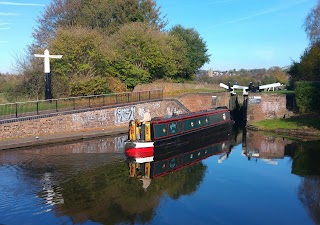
(307,96)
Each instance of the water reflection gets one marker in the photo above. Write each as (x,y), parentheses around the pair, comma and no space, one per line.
(34,177)
(309,195)
(93,181)
(257,145)
(306,164)
(113,197)
(166,161)
(305,158)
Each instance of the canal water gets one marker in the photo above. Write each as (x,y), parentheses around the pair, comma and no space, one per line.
(259,179)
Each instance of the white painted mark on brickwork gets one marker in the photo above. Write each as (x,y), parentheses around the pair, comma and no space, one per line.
(270,106)
(85,118)
(173,110)
(104,116)
(125,114)
(119,143)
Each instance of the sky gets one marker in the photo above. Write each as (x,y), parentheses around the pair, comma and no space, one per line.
(239,34)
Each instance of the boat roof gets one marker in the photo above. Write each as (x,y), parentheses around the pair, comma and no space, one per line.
(190,115)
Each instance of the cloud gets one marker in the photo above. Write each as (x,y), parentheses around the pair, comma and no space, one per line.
(4,28)
(3,42)
(263,12)
(2,24)
(20,4)
(8,14)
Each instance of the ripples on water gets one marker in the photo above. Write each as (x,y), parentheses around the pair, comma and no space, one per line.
(264,180)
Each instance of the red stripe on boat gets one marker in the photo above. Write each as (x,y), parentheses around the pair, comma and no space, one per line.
(140,152)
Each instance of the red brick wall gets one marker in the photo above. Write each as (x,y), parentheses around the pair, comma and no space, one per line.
(108,118)
(90,120)
(201,101)
(271,106)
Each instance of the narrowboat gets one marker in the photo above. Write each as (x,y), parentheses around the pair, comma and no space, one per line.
(166,134)
(163,162)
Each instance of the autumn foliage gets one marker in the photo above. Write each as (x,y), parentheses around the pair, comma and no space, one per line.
(109,46)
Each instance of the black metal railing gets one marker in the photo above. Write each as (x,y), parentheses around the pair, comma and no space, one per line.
(42,107)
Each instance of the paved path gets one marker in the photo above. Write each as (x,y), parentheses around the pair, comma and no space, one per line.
(58,138)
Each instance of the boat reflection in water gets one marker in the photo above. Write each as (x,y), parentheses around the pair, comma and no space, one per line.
(168,160)
(82,183)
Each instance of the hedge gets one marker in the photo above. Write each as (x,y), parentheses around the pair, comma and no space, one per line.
(308,96)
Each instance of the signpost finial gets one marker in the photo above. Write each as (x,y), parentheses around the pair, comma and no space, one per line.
(47,56)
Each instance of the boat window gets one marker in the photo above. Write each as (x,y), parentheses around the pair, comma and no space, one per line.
(215,118)
(173,128)
(160,130)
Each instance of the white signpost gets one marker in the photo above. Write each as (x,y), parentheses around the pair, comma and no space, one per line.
(47,73)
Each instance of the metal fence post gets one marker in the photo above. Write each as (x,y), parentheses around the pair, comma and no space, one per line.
(89,102)
(16,110)
(37,107)
(57,105)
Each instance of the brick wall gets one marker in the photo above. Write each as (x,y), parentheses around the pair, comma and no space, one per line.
(266,106)
(260,107)
(201,101)
(109,118)
(91,120)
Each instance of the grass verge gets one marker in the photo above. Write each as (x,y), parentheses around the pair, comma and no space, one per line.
(299,122)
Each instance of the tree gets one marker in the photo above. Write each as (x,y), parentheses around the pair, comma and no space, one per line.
(80,30)
(31,83)
(144,54)
(8,82)
(308,69)
(85,63)
(104,15)
(196,50)
(93,86)
(312,24)
(104,40)
(278,75)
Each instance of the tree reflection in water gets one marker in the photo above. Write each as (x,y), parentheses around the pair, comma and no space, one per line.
(309,195)
(109,196)
(96,186)
(306,163)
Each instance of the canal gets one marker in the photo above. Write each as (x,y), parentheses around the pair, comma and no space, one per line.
(260,179)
